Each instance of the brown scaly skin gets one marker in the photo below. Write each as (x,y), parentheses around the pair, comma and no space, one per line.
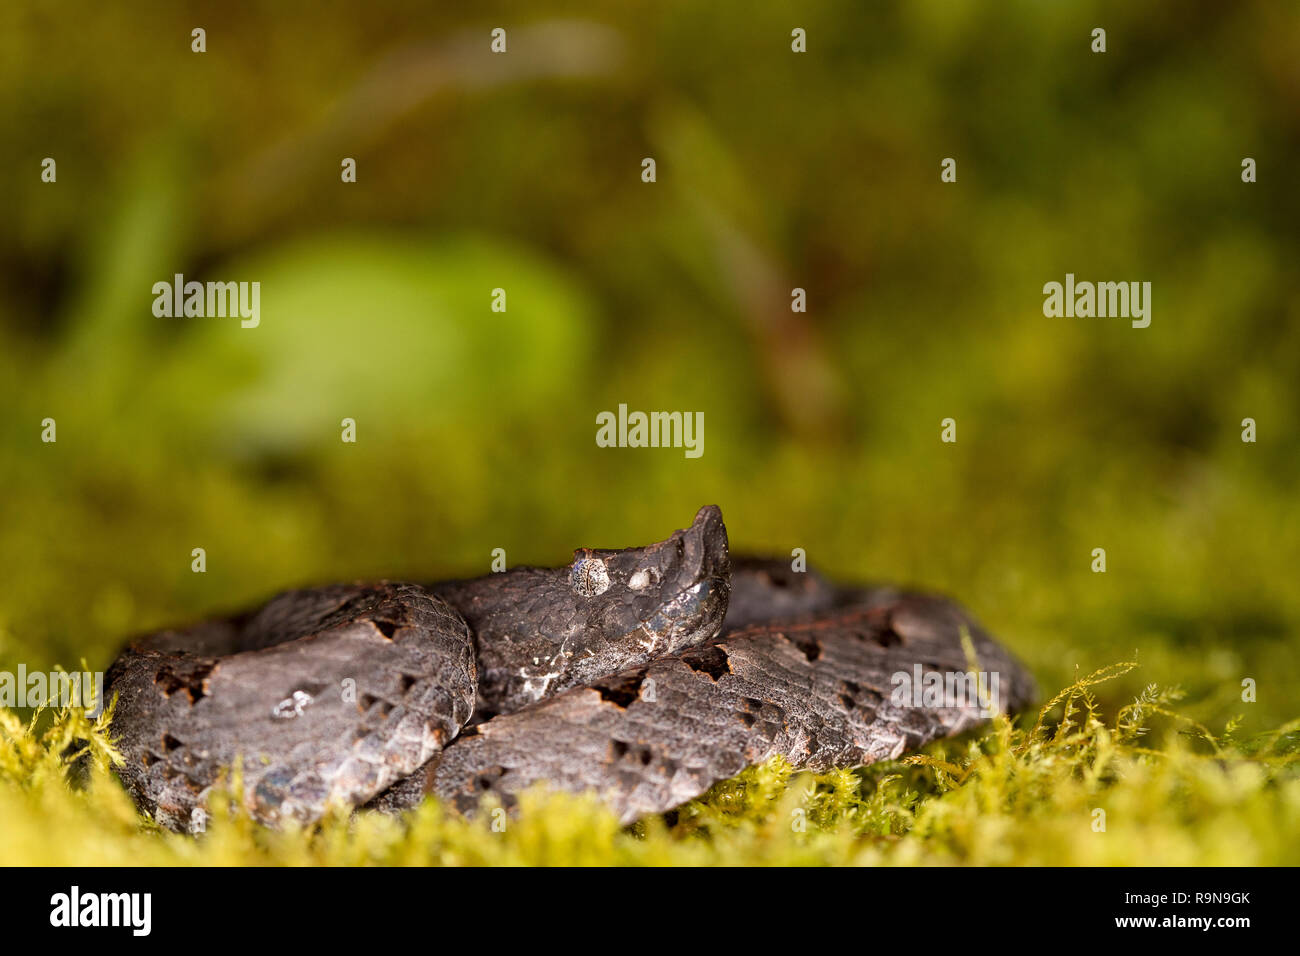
(608,674)
(192,701)
(814,688)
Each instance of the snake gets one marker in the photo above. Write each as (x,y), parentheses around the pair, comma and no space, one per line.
(643,675)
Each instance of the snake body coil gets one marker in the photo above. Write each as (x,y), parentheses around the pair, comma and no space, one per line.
(645,675)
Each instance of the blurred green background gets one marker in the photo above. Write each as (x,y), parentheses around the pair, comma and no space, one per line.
(775,170)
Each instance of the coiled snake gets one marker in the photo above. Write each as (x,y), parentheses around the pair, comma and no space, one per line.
(645,675)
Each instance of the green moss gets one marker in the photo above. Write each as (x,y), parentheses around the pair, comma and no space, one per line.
(1009,795)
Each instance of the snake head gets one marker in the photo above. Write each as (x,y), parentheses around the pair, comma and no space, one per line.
(540,631)
(665,596)
(636,604)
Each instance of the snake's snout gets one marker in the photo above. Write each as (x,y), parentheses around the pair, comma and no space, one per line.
(693,600)
(705,553)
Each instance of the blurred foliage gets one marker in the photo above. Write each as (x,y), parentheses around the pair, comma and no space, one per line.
(476,429)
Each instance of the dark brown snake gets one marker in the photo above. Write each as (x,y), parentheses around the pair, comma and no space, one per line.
(644,675)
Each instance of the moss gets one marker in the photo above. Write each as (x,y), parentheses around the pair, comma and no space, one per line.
(1013,794)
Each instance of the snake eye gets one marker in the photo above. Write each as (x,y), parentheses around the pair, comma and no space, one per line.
(589,577)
